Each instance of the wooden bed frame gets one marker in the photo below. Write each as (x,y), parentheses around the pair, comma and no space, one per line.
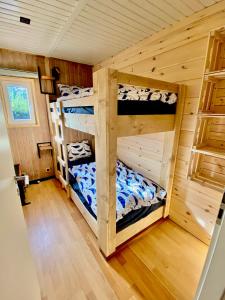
(107,126)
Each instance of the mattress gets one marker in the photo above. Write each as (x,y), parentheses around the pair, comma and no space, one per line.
(132,100)
(136,195)
(127,107)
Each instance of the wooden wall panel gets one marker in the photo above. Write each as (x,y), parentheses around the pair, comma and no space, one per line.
(24,143)
(143,153)
(24,140)
(73,73)
(177,54)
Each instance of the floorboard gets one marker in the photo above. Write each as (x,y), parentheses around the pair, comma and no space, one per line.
(164,262)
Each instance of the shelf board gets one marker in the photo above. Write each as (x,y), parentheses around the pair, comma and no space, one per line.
(48,147)
(207,182)
(216,74)
(210,115)
(211,151)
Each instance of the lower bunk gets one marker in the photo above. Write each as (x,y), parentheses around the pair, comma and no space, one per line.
(140,201)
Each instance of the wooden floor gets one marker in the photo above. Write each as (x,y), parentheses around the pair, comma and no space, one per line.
(164,262)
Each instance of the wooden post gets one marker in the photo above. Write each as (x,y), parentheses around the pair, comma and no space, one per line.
(177,128)
(105,83)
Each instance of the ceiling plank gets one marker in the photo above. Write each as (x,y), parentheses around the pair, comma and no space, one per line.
(75,11)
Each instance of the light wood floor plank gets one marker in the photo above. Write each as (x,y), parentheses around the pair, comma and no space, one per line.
(164,262)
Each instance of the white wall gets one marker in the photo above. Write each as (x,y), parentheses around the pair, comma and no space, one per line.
(18,280)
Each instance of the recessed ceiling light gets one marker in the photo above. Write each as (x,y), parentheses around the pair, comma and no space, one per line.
(25,20)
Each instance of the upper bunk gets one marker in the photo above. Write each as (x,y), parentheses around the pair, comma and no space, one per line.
(153,110)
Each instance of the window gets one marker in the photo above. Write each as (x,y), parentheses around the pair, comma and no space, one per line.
(18,98)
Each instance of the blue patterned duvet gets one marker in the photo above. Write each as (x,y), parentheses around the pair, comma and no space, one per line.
(133,191)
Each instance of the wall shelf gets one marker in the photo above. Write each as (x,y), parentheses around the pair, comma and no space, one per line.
(211,151)
(205,181)
(43,147)
(210,115)
(217,75)
(207,162)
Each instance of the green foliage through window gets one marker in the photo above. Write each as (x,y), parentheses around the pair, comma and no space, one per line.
(19,102)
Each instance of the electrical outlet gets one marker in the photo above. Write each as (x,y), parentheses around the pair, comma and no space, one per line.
(47,169)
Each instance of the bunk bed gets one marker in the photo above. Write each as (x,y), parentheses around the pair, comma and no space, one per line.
(99,115)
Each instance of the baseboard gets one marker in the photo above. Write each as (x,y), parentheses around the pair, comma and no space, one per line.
(36,181)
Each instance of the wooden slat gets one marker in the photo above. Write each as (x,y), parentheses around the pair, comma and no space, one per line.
(210,151)
(135,228)
(86,101)
(84,123)
(87,216)
(135,125)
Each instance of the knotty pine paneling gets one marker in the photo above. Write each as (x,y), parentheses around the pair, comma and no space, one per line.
(24,140)
(72,73)
(178,55)
(144,153)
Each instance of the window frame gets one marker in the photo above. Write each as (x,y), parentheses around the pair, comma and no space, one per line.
(30,85)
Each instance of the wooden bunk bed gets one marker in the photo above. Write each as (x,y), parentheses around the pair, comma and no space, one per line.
(106,126)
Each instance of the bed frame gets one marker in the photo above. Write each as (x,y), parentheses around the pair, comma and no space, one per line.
(107,126)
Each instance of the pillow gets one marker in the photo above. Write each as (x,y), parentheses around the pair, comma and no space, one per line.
(130,92)
(66,90)
(78,150)
(78,92)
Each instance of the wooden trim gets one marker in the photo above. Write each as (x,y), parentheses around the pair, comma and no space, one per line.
(137,227)
(178,121)
(211,151)
(85,213)
(51,121)
(31,86)
(166,159)
(86,101)
(126,78)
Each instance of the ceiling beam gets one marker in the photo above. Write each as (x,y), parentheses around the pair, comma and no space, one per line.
(75,11)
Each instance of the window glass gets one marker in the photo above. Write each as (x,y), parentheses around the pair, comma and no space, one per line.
(18,96)
(19,103)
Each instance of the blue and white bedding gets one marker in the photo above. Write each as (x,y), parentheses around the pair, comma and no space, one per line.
(125,92)
(133,191)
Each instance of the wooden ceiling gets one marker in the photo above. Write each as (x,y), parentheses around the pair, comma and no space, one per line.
(87,31)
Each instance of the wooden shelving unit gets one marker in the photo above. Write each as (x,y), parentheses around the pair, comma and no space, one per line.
(207,164)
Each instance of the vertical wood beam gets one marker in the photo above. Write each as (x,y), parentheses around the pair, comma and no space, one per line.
(177,128)
(52,137)
(105,83)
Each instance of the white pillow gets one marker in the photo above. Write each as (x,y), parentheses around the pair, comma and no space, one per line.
(78,150)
